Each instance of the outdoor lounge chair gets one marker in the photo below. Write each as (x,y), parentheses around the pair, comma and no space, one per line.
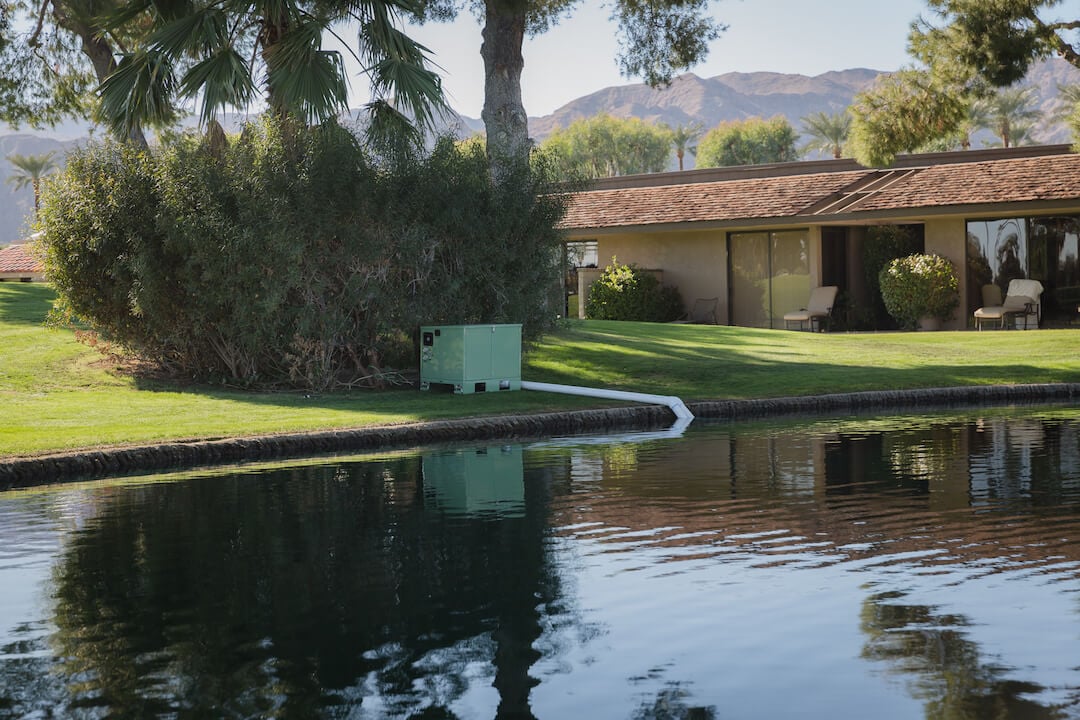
(815,316)
(703,312)
(1020,307)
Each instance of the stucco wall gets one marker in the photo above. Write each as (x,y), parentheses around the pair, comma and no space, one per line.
(947,237)
(694,262)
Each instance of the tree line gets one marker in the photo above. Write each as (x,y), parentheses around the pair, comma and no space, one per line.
(607,146)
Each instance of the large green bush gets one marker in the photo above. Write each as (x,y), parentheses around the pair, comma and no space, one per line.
(624,292)
(919,286)
(290,257)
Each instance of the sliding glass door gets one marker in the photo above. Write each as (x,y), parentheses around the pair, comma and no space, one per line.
(769,275)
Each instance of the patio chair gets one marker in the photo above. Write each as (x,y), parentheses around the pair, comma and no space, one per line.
(815,316)
(1021,306)
(704,312)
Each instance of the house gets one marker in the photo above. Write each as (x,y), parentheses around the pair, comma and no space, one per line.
(17,264)
(761,237)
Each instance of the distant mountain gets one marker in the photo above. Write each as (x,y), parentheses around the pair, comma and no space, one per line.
(710,101)
(736,96)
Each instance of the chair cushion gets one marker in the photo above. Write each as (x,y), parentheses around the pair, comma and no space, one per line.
(804,315)
(994,312)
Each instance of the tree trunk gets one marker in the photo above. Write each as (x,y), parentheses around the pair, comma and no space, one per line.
(504,114)
(99,52)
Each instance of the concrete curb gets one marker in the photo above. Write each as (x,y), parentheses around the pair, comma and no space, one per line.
(25,472)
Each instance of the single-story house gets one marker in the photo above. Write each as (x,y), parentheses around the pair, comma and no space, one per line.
(17,263)
(760,238)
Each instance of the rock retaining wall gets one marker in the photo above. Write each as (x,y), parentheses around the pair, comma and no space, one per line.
(22,472)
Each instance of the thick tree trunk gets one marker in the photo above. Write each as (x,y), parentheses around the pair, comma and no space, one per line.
(504,114)
(98,51)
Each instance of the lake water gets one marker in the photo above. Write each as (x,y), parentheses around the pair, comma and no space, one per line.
(855,567)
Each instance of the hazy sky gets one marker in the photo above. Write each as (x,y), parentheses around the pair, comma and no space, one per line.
(578,56)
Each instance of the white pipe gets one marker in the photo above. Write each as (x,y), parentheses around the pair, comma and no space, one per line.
(673,432)
(676,405)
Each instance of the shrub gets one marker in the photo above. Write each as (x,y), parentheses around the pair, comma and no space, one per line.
(883,244)
(623,292)
(290,257)
(919,286)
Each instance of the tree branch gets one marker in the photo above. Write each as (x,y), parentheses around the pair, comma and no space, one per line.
(33,41)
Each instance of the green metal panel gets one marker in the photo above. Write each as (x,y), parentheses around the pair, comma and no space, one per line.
(476,481)
(471,358)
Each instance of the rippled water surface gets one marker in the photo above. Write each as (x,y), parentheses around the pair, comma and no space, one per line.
(842,567)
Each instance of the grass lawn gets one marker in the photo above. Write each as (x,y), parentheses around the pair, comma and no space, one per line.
(56,394)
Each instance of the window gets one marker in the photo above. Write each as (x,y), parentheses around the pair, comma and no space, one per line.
(769,275)
(584,253)
(1041,248)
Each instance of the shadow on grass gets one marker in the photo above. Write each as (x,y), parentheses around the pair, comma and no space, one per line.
(25,303)
(394,401)
(734,363)
(691,362)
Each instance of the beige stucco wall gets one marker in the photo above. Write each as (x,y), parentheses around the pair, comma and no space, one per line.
(947,237)
(695,262)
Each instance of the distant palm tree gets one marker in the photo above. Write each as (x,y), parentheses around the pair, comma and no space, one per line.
(29,170)
(682,136)
(1068,109)
(1068,99)
(1007,112)
(828,133)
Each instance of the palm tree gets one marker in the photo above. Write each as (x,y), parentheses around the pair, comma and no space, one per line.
(196,54)
(682,136)
(1069,99)
(1006,112)
(828,133)
(29,170)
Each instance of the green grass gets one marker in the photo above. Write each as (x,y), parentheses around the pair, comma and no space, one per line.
(56,394)
(702,362)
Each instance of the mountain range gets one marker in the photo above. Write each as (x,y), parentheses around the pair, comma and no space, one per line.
(689,99)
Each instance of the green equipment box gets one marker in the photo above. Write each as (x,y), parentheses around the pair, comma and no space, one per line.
(470,358)
(476,482)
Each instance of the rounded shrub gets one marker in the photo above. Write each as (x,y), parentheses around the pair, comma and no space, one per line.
(624,292)
(919,286)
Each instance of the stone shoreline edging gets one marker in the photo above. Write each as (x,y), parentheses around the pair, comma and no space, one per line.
(87,464)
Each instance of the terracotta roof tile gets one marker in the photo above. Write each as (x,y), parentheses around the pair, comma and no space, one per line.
(17,259)
(1049,177)
(773,197)
(999,181)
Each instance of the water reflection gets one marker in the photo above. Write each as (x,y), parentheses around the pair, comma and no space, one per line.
(945,669)
(850,568)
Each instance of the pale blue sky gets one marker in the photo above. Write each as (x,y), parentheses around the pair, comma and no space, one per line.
(578,56)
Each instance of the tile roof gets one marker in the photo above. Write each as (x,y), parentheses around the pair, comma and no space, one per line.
(825,194)
(17,259)
(772,197)
(984,183)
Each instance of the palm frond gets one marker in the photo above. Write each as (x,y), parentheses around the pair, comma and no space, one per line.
(201,31)
(139,92)
(223,79)
(398,68)
(303,79)
(127,13)
(415,90)
(392,133)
